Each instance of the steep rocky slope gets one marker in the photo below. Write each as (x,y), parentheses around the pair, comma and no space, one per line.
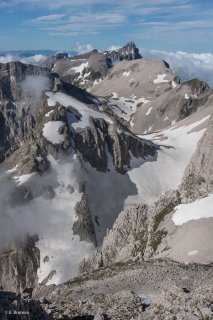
(164,290)
(130,85)
(172,106)
(71,145)
(172,226)
(19,101)
(19,264)
(86,69)
(83,194)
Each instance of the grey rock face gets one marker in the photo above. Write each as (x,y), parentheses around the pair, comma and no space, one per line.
(95,64)
(93,143)
(131,226)
(139,230)
(19,264)
(19,102)
(128,52)
(61,55)
(84,225)
(133,85)
(172,106)
(198,180)
(11,76)
(136,234)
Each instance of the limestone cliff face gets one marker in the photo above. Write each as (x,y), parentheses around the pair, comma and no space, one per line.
(102,145)
(20,89)
(19,265)
(128,52)
(135,235)
(139,231)
(198,180)
(172,106)
(100,139)
(84,225)
(12,75)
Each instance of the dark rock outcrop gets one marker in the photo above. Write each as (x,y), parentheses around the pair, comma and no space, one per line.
(19,265)
(127,52)
(94,143)
(20,89)
(61,55)
(84,225)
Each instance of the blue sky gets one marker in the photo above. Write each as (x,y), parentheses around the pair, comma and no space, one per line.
(171,25)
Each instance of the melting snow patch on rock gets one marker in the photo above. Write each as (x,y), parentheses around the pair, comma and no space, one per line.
(50,131)
(49,113)
(149,111)
(126,74)
(80,68)
(161,78)
(174,85)
(192,253)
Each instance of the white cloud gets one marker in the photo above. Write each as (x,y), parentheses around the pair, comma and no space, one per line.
(35,59)
(7,58)
(83,23)
(113,48)
(135,4)
(49,18)
(83,47)
(186,65)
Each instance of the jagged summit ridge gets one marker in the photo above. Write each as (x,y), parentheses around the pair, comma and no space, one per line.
(128,52)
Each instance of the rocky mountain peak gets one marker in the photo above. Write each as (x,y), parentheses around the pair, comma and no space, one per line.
(128,52)
(61,55)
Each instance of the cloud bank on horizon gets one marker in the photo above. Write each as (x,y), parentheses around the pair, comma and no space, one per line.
(185,65)
(34,59)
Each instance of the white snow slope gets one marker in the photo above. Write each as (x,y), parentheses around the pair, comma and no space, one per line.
(154,178)
(199,209)
(81,107)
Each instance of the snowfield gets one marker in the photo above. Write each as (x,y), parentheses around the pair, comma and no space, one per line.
(80,68)
(60,250)
(81,107)
(199,209)
(50,131)
(51,217)
(192,253)
(149,111)
(126,74)
(155,177)
(125,107)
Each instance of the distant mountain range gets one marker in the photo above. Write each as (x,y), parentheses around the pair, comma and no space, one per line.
(30,53)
